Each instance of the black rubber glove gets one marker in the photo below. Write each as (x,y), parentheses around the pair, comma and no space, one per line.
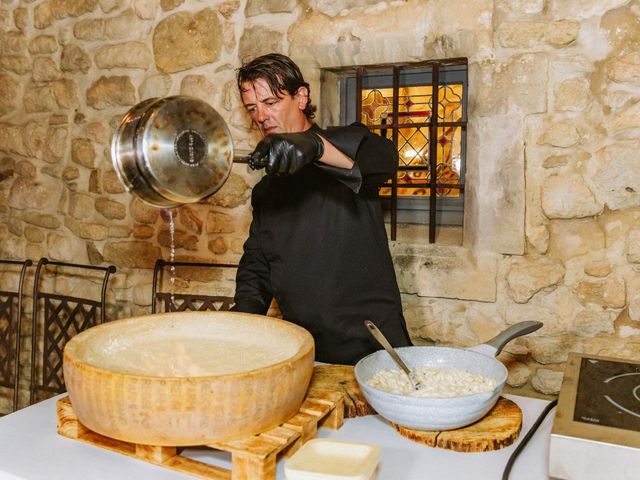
(286,153)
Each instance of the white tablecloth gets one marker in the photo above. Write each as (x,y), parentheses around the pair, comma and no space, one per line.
(31,449)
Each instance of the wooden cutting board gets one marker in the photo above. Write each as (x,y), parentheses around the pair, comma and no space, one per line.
(340,378)
(498,429)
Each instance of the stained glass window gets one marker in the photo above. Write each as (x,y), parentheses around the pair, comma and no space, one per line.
(398,102)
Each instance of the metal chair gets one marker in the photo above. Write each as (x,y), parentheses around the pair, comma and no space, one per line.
(57,318)
(10,327)
(172,301)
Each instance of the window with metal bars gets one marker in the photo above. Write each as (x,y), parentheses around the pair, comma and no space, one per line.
(398,102)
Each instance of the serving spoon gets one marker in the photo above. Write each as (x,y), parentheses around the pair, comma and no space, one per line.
(382,340)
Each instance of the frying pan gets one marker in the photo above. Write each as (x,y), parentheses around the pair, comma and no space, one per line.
(420,413)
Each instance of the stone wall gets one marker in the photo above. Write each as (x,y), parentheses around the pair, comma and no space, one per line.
(553,186)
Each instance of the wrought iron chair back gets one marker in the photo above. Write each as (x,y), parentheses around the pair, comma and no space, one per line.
(171,301)
(10,327)
(56,319)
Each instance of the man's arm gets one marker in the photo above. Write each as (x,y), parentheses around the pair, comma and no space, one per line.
(375,157)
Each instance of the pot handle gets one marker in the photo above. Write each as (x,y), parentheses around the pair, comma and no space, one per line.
(494,346)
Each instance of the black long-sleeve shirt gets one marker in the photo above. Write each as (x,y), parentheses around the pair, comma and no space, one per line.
(317,243)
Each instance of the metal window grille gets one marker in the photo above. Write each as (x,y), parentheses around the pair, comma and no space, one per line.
(422,108)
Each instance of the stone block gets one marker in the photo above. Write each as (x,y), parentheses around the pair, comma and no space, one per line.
(74,59)
(618,191)
(42,220)
(186,40)
(39,98)
(65,92)
(9,89)
(445,272)
(145,9)
(178,239)
(228,8)
(111,92)
(218,222)
(589,323)
(34,235)
(567,196)
(495,185)
(524,76)
(167,5)
(11,139)
(520,7)
(19,64)
(547,381)
(12,42)
(45,70)
(108,6)
(198,86)
(59,248)
(609,292)
(29,194)
(143,231)
(56,144)
(124,55)
(110,209)
(233,193)
(259,7)
(82,152)
(35,134)
(573,238)
(119,231)
(257,41)
(131,254)
(560,134)
(632,249)
(21,18)
(81,206)
(190,220)
(143,213)
(527,276)
(572,95)
(217,245)
(112,183)
(155,86)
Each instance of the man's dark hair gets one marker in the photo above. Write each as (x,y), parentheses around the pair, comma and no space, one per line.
(280,73)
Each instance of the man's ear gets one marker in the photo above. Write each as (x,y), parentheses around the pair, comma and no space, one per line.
(303,97)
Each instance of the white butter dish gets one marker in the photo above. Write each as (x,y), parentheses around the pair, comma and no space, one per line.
(323,459)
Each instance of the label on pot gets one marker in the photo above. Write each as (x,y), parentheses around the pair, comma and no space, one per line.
(190,147)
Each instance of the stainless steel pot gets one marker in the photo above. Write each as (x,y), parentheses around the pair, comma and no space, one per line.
(172,150)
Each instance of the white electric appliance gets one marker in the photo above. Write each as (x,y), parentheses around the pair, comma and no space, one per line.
(596,430)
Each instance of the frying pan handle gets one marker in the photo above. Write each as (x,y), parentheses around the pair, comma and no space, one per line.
(494,346)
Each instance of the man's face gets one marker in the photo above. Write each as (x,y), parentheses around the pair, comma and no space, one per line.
(273,113)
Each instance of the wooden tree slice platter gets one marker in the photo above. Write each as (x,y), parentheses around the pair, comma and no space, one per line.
(340,378)
(498,429)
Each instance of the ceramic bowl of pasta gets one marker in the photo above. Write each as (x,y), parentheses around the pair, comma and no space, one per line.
(188,378)
(459,385)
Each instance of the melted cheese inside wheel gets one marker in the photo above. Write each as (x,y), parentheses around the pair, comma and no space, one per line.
(168,347)
(188,357)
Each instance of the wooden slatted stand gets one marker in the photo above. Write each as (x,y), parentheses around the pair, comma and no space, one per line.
(252,458)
